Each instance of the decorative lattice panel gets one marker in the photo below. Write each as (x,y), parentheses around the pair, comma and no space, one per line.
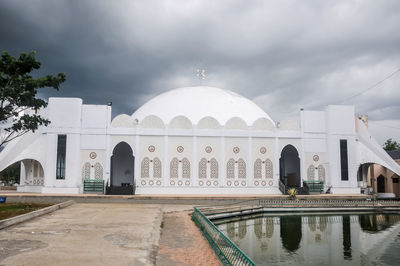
(157,168)
(311,173)
(86,171)
(214,168)
(173,168)
(242,168)
(230,169)
(321,173)
(145,170)
(203,168)
(98,171)
(257,169)
(185,168)
(269,169)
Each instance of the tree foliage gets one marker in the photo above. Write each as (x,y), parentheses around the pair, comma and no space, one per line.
(18,89)
(391,145)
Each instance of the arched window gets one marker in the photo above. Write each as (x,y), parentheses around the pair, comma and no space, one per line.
(173,171)
(258,169)
(98,171)
(269,171)
(321,173)
(86,171)
(185,168)
(214,168)
(242,168)
(203,168)
(145,171)
(157,168)
(311,173)
(230,169)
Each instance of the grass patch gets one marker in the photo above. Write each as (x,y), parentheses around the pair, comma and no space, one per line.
(8,210)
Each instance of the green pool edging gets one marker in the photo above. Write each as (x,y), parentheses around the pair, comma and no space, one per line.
(227,251)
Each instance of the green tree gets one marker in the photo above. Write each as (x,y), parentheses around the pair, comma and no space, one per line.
(11,174)
(18,101)
(391,145)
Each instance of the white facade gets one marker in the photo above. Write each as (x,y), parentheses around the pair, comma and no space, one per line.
(196,140)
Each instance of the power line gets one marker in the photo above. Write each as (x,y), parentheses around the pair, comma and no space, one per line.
(371,87)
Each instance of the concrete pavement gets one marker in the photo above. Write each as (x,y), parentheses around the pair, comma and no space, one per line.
(87,234)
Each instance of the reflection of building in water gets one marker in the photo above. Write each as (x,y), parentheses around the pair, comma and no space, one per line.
(377,222)
(313,239)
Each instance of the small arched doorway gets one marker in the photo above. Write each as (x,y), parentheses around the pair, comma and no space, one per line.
(289,165)
(380,184)
(122,180)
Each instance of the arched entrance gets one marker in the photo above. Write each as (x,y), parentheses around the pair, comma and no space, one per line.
(289,165)
(122,170)
(380,184)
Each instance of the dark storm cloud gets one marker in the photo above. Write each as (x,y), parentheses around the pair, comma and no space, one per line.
(285,55)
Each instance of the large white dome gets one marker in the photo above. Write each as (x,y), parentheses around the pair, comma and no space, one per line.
(196,103)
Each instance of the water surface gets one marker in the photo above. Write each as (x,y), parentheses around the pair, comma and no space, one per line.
(341,239)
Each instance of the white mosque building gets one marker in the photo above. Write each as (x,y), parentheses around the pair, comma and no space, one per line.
(194,140)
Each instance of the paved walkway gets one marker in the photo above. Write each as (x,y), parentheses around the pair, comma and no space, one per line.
(182,243)
(87,234)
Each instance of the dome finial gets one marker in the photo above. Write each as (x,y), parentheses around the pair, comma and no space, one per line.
(201,74)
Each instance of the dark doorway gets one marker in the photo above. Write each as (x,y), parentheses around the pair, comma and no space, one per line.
(122,170)
(381,184)
(289,165)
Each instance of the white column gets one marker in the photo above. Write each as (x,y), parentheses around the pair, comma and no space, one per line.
(223,163)
(165,162)
(276,164)
(137,161)
(194,163)
(250,178)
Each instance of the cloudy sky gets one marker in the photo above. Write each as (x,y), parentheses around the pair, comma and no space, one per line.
(284,55)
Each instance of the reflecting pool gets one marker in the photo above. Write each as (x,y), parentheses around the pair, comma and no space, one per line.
(340,239)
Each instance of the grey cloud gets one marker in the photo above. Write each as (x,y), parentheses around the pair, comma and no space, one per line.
(285,55)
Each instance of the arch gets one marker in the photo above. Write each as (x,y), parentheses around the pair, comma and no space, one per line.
(157,168)
(185,168)
(258,169)
(269,170)
(214,168)
(289,166)
(145,168)
(152,121)
(86,171)
(173,168)
(208,122)
(123,120)
(263,124)
(31,173)
(311,173)
(321,173)
(203,168)
(180,122)
(98,171)
(236,123)
(122,170)
(242,168)
(230,169)
(381,183)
